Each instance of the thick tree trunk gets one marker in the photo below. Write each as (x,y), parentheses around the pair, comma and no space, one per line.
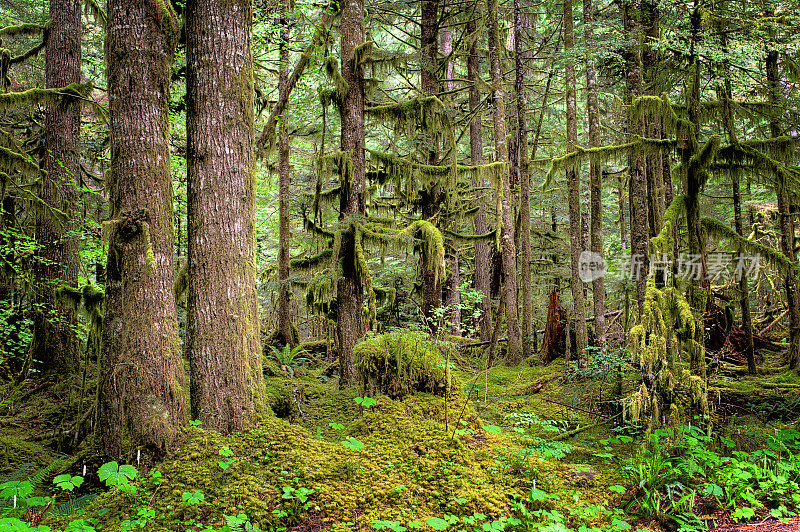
(637,190)
(508,249)
(786,219)
(350,297)
(55,346)
(431,199)
(223,334)
(142,386)
(524,180)
(284,182)
(573,191)
(595,173)
(482,259)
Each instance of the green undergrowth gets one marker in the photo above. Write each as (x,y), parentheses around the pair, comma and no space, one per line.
(350,463)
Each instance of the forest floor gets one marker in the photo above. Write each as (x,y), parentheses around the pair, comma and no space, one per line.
(516,448)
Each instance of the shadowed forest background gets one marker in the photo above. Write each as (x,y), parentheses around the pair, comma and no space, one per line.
(374,265)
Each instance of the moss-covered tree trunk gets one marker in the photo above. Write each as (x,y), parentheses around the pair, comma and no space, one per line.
(785,216)
(452,294)
(142,385)
(637,189)
(693,184)
(431,196)
(284,331)
(504,200)
(55,345)
(595,173)
(482,260)
(350,297)
(573,189)
(222,338)
(521,25)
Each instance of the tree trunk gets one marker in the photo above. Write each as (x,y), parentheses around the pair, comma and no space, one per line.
(482,261)
(573,191)
(506,214)
(223,334)
(431,199)
(142,386)
(637,191)
(786,219)
(285,333)
(350,297)
(595,173)
(55,346)
(524,180)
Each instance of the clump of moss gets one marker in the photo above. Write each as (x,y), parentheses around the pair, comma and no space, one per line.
(400,363)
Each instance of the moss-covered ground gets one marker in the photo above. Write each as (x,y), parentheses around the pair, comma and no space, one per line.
(491,456)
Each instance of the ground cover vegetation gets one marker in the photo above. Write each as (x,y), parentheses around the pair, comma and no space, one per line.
(369,265)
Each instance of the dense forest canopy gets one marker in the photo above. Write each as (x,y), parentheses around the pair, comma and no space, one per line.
(388,265)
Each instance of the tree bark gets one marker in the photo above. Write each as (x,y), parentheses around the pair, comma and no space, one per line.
(786,218)
(524,180)
(223,333)
(55,347)
(509,253)
(431,198)
(573,190)
(285,333)
(637,190)
(482,259)
(142,396)
(350,297)
(595,173)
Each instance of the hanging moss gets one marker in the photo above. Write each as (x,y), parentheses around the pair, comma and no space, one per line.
(663,345)
(333,72)
(13,100)
(424,114)
(96,11)
(401,363)
(602,154)
(310,226)
(22,29)
(17,162)
(312,262)
(429,237)
(775,258)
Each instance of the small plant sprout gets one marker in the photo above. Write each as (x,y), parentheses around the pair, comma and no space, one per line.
(68,482)
(365,402)
(353,444)
(226,452)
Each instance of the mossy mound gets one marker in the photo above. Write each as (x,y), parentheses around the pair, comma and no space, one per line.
(399,363)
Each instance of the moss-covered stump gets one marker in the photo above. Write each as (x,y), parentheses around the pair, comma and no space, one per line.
(399,363)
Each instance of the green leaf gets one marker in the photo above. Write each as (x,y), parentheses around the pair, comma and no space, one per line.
(617,489)
(193,498)
(437,523)
(619,524)
(492,429)
(18,488)
(336,426)
(67,482)
(114,474)
(713,490)
(353,444)
(225,451)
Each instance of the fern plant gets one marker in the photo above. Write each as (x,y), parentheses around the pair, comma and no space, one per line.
(288,358)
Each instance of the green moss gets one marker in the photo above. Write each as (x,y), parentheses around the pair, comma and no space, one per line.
(400,363)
